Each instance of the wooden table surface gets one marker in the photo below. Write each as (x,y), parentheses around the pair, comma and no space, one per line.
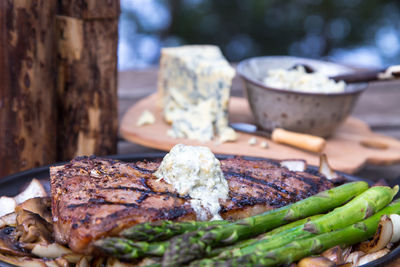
(379,106)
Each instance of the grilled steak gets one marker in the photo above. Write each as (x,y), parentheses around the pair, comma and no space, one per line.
(94,197)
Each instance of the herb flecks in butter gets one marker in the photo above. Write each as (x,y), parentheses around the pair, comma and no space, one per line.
(195,171)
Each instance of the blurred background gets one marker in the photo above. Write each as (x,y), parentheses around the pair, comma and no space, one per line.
(358,33)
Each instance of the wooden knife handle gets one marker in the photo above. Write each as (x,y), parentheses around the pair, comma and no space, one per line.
(304,141)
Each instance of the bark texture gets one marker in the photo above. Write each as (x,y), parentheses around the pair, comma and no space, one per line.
(27,84)
(87,78)
(90,9)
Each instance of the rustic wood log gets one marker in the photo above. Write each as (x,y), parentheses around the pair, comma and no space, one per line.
(87,82)
(27,84)
(90,9)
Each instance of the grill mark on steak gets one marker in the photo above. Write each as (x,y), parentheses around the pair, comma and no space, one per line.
(142,198)
(118,195)
(306,180)
(169,194)
(147,171)
(101,201)
(245,200)
(252,179)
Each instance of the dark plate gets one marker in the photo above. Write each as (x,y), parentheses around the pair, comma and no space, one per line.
(11,185)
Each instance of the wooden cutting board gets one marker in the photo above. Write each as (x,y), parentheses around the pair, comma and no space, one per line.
(344,149)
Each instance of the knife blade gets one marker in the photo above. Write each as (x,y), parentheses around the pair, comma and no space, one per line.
(278,135)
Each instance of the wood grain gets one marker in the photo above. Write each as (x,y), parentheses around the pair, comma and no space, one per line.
(87,80)
(27,84)
(90,9)
(345,153)
(378,106)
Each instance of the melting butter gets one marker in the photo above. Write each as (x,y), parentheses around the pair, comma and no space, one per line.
(195,171)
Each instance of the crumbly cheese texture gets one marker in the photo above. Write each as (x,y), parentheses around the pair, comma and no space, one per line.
(264,144)
(195,171)
(252,141)
(194,87)
(145,118)
(299,80)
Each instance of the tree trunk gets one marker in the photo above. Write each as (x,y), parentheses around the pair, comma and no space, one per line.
(87,78)
(27,84)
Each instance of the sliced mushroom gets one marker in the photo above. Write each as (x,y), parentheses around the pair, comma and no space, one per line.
(38,205)
(34,189)
(51,251)
(61,262)
(72,257)
(98,262)
(346,253)
(354,257)
(7,205)
(9,242)
(34,229)
(371,257)
(337,254)
(8,220)
(326,169)
(294,165)
(84,262)
(50,263)
(382,236)
(316,262)
(23,261)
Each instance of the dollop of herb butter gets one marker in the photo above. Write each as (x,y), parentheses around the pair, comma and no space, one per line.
(195,171)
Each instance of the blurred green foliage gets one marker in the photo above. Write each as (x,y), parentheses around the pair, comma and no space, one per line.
(281,27)
(335,29)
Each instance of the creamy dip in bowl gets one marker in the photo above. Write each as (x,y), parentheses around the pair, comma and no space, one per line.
(316,112)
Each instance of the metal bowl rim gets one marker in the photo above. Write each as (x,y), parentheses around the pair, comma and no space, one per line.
(360,86)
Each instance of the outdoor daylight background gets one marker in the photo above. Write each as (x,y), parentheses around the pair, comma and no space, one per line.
(355,32)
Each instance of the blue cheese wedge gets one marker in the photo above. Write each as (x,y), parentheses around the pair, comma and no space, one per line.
(194,87)
(195,171)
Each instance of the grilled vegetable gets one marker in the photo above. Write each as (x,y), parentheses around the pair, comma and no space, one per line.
(194,245)
(361,207)
(276,231)
(163,230)
(299,249)
(388,232)
(123,248)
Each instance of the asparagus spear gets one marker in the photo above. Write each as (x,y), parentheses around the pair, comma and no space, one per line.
(126,249)
(289,226)
(296,250)
(194,245)
(163,230)
(276,231)
(361,207)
